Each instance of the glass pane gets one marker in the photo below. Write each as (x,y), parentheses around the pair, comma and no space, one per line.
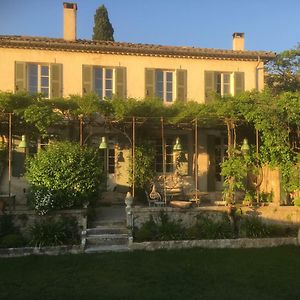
(218,78)
(169,86)
(98,73)
(169,97)
(32,70)
(45,71)
(108,94)
(226,78)
(45,81)
(108,84)
(159,94)
(108,73)
(169,76)
(99,92)
(226,89)
(159,76)
(32,89)
(45,92)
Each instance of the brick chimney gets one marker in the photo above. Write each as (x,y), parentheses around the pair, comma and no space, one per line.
(70,10)
(238,41)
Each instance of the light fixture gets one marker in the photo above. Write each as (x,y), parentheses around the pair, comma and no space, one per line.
(245,147)
(177,146)
(103,144)
(23,143)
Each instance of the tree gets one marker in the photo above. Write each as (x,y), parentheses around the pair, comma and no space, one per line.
(103,30)
(284,72)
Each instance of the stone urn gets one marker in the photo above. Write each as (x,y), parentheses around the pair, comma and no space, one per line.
(128,199)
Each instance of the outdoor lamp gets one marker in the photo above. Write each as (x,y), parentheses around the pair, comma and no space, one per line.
(177,146)
(103,144)
(245,147)
(23,143)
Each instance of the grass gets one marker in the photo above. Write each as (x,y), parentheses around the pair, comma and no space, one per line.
(177,274)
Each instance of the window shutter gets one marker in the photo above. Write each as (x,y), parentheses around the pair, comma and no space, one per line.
(20,76)
(209,79)
(56,80)
(149,83)
(239,83)
(87,79)
(120,82)
(181,85)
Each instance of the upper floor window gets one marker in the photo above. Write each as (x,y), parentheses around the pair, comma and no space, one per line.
(223,83)
(168,85)
(39,78)
(104,81)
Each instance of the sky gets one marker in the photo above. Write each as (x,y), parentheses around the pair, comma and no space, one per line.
(272,25)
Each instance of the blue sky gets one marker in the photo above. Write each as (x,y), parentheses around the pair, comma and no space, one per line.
(268,24)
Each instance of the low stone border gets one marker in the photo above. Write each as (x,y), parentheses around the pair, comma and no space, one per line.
(56,250)
(221,243)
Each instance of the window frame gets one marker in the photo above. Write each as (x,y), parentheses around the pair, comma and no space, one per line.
(165,91)
(104,79)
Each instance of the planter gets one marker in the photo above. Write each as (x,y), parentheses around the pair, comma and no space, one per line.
(181,204)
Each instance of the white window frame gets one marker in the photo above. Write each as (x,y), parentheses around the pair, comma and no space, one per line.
(223,83)
(104,88)
(165,91)
(39,78)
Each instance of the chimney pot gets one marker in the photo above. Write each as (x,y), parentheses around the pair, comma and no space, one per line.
(238,41)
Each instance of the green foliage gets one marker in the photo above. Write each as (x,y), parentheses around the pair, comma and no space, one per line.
(64,175)
(7,225)
(234,170)
(207,228)
(13,240)
(253,227)
(283,72)
(296,201)
(161,229)
(103,30)
(53,233)
(143,165)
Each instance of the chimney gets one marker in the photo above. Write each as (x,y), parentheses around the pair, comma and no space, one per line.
(238,41)
(70,21)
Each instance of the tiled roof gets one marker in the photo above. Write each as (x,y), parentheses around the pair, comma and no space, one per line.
(26,42)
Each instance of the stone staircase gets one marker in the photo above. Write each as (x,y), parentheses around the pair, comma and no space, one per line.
(108,231)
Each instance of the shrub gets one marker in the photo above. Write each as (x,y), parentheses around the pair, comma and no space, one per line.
(253,227)
(296,201)
(53,233)
(63,176)
(207,228)
(6,225)
(161,229)
(12,241)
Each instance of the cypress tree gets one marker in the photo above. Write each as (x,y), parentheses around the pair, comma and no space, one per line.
(103,30)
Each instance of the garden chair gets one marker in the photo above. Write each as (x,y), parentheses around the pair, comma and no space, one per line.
(154,198)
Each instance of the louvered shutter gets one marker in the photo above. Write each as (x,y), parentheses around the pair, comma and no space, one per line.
(87,79)
(209,81)
(120,82)
(149,83)
(20,76)
(181,79)
(56,80)
(239,83)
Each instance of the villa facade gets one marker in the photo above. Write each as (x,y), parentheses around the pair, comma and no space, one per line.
(59,67)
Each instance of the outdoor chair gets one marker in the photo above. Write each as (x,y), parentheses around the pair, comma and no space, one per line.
(154,198)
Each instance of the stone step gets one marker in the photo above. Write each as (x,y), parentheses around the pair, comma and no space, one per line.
(106,230)
(108,223)
(107,239)
(109,248)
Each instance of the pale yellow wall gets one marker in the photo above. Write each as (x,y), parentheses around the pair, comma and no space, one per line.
(72,69)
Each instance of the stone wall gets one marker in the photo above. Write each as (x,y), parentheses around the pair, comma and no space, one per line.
(285,215)
(25,219)
(228,243)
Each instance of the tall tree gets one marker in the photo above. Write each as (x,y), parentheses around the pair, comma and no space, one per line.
(103,30)
(284,72)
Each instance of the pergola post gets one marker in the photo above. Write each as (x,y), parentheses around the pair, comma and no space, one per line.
(196,159)
(133,156)
(163,157)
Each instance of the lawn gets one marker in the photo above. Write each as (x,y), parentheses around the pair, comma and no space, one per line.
(186,274)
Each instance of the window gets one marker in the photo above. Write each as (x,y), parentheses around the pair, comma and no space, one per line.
(168,85)
(164,85)
(39,78)
(104,81)
(111,160)
(168,155)
(223,83)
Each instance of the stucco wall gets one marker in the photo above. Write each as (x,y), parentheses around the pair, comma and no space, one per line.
(73,61)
